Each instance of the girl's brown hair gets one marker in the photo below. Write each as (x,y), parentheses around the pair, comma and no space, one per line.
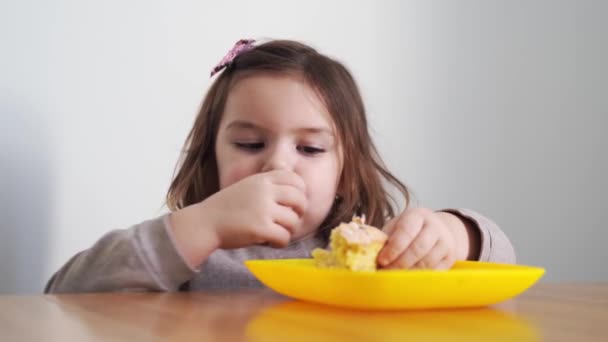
(361,189)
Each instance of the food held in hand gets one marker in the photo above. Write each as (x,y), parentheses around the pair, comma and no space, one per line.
(353,246)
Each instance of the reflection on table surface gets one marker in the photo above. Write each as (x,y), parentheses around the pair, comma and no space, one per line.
(302,321)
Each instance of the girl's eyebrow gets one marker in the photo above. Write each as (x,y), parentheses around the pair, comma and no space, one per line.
(242,124)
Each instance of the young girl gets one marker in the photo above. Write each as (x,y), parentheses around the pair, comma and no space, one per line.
(279,154)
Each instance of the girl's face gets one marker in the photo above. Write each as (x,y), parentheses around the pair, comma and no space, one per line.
(278,122)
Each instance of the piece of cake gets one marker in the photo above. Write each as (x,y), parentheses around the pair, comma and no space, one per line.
(353,246)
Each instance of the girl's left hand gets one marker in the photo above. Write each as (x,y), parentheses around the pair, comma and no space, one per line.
(419,238)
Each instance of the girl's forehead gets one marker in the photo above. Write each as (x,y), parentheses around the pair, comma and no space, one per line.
(276,102)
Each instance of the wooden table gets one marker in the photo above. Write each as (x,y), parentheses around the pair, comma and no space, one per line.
(547,312)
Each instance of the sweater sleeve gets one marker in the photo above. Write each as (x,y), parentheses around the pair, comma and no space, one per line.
(495,245)
(140,258)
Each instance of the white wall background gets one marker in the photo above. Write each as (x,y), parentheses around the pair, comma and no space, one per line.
(500,106)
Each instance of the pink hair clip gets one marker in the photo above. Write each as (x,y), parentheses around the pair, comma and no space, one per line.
(241,46)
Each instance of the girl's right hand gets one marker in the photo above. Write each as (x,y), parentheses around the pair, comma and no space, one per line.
(262,208)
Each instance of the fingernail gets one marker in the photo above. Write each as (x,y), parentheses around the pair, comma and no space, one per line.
(382,260)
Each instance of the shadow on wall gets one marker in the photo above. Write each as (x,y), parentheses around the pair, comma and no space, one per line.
(25,198)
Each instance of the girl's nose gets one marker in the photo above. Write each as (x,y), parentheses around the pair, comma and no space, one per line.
(275,165)
(278,159)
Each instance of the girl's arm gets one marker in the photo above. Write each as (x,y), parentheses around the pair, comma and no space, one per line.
(140,258)
(488,241)
(162,254)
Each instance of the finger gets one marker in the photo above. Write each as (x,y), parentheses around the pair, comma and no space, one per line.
(390,226)
(433,257)
(445,264)
(286,177)
(406,229)
(291,197)
(277,236)
(286,218)
(420,247)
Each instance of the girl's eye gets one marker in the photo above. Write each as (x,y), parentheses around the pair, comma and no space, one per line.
(249,146)
(310,150)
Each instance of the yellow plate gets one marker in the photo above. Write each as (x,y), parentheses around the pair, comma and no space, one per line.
(467,284)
